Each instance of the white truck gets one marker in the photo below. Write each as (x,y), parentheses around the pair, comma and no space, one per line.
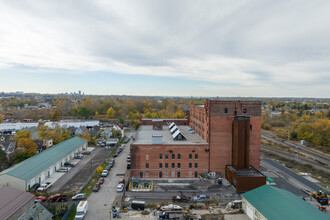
(81,210)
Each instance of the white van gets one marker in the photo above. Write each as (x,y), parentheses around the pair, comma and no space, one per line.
(104,173)
(81,210)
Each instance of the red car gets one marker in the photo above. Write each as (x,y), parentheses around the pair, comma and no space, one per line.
(101,180)
(96,187)
(42,198)
(54,198)
(122,181)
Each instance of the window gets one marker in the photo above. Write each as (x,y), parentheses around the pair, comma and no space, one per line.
(166,165)
(160,174)
(179,165)
(173,156)
(226,110)
(190,165)
(190,156)
(147,157)
(244,110)
(160,165)
(147,165)
(141,174)
(196,174)
(178,174)
(166,156)
(173,165)
(196,156)
(196,165)
(147,174)
(160,156)
(179,156)
(250,127)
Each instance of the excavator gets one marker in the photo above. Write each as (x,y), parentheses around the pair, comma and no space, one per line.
(321,197)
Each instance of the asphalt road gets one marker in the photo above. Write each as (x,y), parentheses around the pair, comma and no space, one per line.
(100,203)
(298,178)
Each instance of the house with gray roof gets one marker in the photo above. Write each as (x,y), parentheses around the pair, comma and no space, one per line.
(36,169)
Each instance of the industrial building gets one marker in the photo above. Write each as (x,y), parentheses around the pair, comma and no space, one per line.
(269,202)
(168,152)
(36,169)
(223,137)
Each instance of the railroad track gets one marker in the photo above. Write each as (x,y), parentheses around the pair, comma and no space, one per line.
(317,156)
(291,156)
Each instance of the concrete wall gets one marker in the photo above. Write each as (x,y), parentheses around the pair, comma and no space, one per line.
(255,213)
(7,180)
(142,154)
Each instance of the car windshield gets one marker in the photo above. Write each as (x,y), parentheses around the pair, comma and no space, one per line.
(80,213)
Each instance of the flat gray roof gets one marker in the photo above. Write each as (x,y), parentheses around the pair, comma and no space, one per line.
(145,133)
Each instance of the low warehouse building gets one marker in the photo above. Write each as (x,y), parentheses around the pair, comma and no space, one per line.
(269,202)
(36,169)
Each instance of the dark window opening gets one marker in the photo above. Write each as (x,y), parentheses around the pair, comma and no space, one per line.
(196,165)
(160,165)
(160,156)
(173,156)
(190,165)
(160,174)
(190,156)
(147,165)
(141,174)
(178,174)
(196,174)
(250,127)
(179,165)
(244,110)
(166,165)
(226,110)
(179,156)
(166,156)
(196,156)
(173,165)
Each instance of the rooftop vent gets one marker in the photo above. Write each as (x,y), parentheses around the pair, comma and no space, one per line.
(157,139)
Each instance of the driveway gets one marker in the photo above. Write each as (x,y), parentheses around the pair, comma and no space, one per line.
(100,203)
(78,175)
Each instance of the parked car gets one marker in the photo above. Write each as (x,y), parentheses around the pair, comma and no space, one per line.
(62,198)
(128,166)
(80,156)
(101,180)
(44,186)
(41,198)
(181,198)
(96,187)
(202,198)
(62,169)
(116,155)
(104,173)
(120,187)
(128,158)
(79,196)
(58,197)
(108,168)
(112,162)
(122,181)
(86,153)
(67,164)
(35,187)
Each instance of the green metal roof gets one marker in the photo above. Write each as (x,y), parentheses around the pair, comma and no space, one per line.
(275,203)
(32,166)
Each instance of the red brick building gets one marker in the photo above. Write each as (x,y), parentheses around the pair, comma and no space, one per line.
(213,121)
(205,146)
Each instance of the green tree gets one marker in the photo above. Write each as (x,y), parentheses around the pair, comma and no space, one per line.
(18,156)
(116,133)
(121,120)
(3,158)
(111,113)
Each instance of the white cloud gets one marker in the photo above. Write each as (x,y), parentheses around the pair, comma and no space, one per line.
(254,45)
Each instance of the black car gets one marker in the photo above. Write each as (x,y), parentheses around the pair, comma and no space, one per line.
(67,164)
(116,155)
(34,187)
(86,153)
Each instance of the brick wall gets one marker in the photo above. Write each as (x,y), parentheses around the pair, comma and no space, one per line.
(142,154)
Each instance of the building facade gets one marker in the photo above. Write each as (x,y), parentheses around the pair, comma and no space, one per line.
(38,168)
(213,121)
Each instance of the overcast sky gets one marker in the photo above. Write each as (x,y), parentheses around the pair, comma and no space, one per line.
(171,48)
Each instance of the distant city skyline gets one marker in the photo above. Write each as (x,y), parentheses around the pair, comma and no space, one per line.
(167,48)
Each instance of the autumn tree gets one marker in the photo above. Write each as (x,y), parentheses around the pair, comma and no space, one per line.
(116,133)
(56,114)
(111,113)
(23,134)
(1,118)
(85,135)
(99,169)
(27,146)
